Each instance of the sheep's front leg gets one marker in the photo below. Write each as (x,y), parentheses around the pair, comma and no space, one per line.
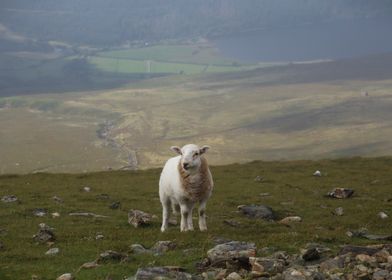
(190,220)
(185,211)
(202,215)
(165,214)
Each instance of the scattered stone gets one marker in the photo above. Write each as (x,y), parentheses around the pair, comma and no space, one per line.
(341,193)
(86,214)
(356,250)
(99,237)
(9,198)
(232,223)
(89,265)
(111,255)
(382,275)
(139,218)
(383,215)
(45,234)
(52,251)
(165,272)
(87,189)
(55,215)
(357,233)
(231,250)
(259,179)
(365,258)
(257,211)
(311,254)
(138,249)
(338,211)
(291,219)
(233,276)
(266,266)
(115,205)
(57,199)
(163,246)
(40,212)
(317,173)
(265,194)
(66,276)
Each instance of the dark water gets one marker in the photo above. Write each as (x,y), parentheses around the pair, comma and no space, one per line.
(332,40)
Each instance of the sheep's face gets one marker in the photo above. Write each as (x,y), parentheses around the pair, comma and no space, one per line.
(190,155)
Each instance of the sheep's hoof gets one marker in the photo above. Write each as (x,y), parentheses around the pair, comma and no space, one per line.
(163,229)
(203,229)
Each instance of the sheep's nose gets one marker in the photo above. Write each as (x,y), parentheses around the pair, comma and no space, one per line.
(186,165)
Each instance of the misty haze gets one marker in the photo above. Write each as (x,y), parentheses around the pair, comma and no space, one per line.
(287,105)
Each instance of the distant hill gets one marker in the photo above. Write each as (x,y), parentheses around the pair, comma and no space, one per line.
(108,23)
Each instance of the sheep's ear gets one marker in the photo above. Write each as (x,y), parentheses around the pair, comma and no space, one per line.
(204,149)
(176,149)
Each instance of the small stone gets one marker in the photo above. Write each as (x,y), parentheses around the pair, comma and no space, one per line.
(365,258)
(259,179)
(139,218)
(317,173)
(52,251)
(257,211)
(110,255)
(230,250)
(338,211)
(311,254)
(102,196)
(263,266)
(87,189)
(9,198)
(57,199)
(138,249)
(290,220)
(233,276)
(44,235)
(89,265)
(232,223)
(55,215)
(66,276)
(265,194)
(99,237)
(163,246)
(390,259)
(115,205)
(40,212)
(382,215)
(164,272)
(341,193)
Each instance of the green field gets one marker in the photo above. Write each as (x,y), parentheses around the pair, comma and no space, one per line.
(292,188)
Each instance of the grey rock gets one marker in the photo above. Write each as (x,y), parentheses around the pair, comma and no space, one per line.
(231,250)
(57,199)
(258,179)
(115,205)
(150,273)
(102,196)
(311,254)
(341,193)
(257,211)
(110,255)
(89,265)
(381,275)
(290,220)
(138,249)
(40,212)
(163,246)
(9,198)
(44,235)
(99,236)
(52,251)
(317,173)
(66,276)
(338,211)
(232,223)
(139,218)
(266,266)
(234,276)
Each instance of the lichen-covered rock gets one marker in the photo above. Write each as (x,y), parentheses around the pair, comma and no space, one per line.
(111,255)
(162,272)
(266,266)
(289,220)
(311,254)
(341,193)
(40,212)
(44,235)
(257,211)
(139,218)
(231,250)
(234,276)
(138,249)
(9,198)
(163,246)
(52,251)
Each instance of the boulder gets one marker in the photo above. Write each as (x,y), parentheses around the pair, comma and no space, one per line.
(231,250)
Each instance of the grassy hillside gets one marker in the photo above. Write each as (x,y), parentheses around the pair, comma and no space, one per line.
(296,111)
(292,188)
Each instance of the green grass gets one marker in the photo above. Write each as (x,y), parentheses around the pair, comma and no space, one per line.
(293,189)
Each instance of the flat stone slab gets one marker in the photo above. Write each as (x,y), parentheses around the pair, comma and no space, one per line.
(257,211)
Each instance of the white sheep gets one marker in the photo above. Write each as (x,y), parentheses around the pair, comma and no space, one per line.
(185,180)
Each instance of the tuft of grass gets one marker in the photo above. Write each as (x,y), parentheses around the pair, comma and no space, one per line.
(293,191)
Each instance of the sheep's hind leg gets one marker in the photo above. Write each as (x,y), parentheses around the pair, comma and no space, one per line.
(202,215)
(165,214)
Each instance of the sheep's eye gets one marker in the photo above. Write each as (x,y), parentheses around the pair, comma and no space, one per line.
(196,154)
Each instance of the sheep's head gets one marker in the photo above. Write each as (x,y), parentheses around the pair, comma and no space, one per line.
(190,155)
